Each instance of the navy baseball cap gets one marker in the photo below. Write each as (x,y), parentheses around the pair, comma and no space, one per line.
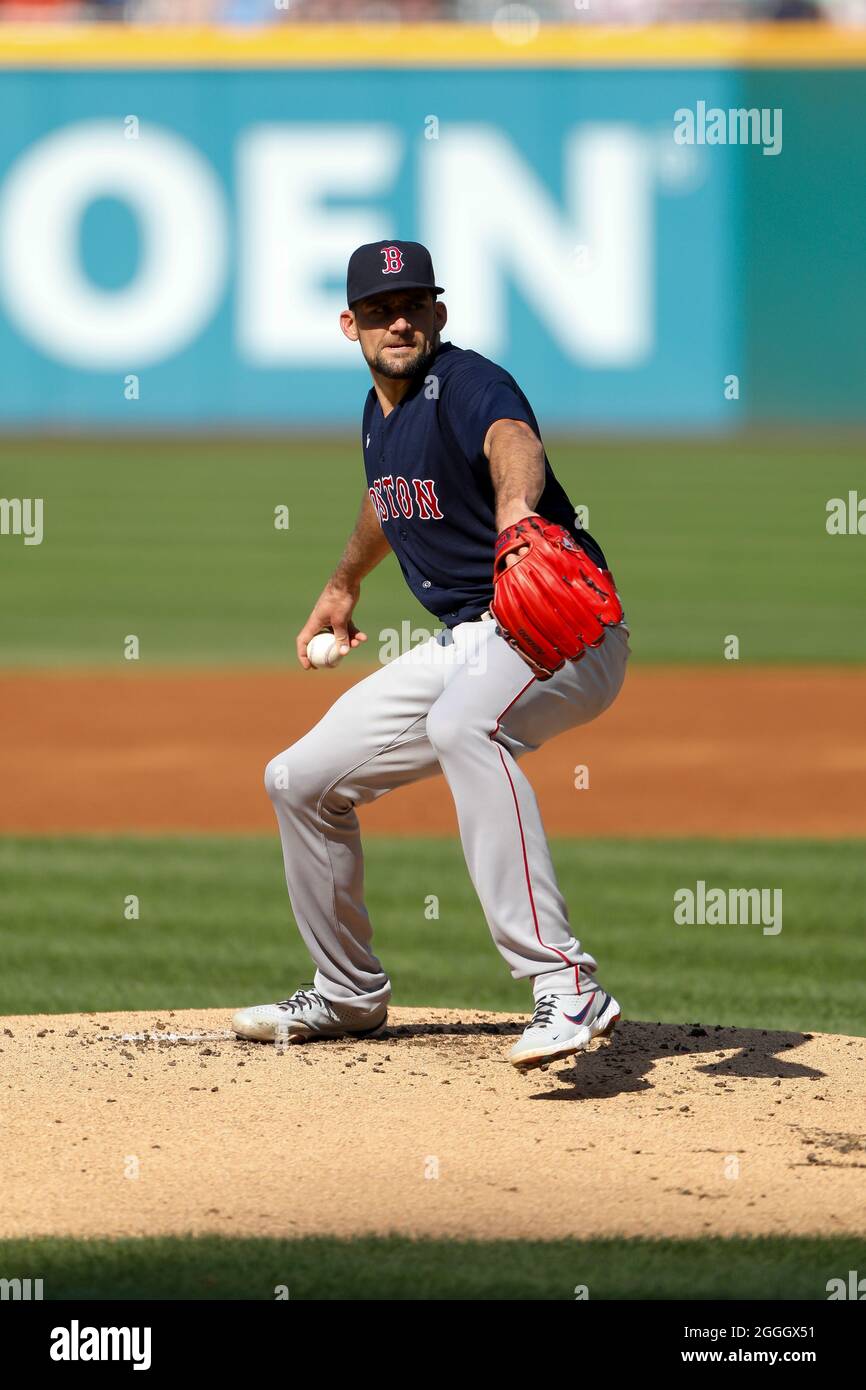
(389,265)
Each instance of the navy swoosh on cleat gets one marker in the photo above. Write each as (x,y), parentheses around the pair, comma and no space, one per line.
(578,1018)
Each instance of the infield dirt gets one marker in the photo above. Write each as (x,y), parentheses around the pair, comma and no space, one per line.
(730,752)
(150,1124)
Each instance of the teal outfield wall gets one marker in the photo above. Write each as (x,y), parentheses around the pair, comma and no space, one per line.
(803,271)
(173,244)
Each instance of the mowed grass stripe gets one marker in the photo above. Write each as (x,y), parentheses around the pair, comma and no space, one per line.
(174,541)
(215,930)
(397,1268)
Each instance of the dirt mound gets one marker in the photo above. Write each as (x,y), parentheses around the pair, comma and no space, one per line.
(149,1124)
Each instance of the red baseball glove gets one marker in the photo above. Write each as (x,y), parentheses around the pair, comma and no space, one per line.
(554,601)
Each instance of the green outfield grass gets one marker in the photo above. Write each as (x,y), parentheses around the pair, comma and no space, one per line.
(174,541)
(215,928)
(397,1268)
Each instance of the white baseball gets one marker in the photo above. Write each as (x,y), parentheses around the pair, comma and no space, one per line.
(323,650)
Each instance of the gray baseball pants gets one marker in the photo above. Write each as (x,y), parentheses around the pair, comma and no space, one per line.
(465,704)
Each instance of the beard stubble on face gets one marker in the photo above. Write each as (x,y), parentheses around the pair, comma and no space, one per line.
(407,364)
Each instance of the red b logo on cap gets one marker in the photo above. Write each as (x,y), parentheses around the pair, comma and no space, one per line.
(393,260)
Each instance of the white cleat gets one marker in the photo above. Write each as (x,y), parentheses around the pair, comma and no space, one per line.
(307,1015)
(563,1024)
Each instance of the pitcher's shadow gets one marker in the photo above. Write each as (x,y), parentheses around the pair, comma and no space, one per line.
(623,1062)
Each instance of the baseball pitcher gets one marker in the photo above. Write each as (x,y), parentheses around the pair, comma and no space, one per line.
(532,642)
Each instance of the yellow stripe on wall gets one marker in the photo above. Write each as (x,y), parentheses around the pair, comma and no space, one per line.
(291,45)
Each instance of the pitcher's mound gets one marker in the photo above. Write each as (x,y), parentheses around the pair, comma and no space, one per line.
(156,1124)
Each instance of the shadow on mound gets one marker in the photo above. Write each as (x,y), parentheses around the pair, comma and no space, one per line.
(622,1064)
(496,1027)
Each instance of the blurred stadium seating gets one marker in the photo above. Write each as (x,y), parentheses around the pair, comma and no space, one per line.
(584,12)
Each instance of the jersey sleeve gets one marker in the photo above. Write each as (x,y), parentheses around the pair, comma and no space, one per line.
(475,401)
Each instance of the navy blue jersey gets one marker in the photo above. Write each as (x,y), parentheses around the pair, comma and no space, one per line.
(430,481)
